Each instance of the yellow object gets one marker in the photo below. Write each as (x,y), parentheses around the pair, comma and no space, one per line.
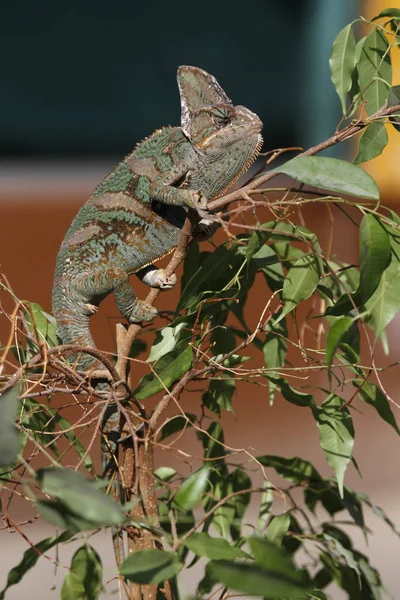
(385,169)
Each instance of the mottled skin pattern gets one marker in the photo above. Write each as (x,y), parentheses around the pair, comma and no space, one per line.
(135,215)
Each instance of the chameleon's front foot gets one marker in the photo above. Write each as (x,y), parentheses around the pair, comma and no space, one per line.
(158,278)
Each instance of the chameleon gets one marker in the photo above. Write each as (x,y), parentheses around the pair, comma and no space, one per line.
(134,216)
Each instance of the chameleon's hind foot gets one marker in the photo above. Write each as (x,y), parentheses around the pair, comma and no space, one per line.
(159,279)
(142,312)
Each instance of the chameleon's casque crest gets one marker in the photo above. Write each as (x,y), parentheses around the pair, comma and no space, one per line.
(198,91)
(135,215)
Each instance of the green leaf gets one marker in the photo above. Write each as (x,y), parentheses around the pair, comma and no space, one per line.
(213,441)
(388,12)
(56,513)
(293,541)
(266,259)
(372,394)
(150,566)
(375,255)
(165,342)
(294,396)
(167,369)
(237,480)
(275,350)
(370,578)
(278,528)
(165,473)
(300,283)
(215,548)
(223,518)
(331,174)
(274,576)
(354,94)
(73,588)
(177,423)
(384,304)
(342,62)
(79,496)
(336,434)
(192,489)
(379,512)
(374,69)
(255,580)
(30,558)
(86,563)
(372,142)
(326,492)
(44,323)
(368,587)
(205,586)
(9,437)
(219,394)
(256,242)
(213,274)
(294,469)
(335,335)
(344,552)
(266,501)
(394,100)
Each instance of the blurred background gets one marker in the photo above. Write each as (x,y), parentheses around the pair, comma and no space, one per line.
(81,83)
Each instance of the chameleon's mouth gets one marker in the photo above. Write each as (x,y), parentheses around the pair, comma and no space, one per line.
(243,170)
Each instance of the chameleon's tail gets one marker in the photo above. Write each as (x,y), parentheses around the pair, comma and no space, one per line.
(72,315)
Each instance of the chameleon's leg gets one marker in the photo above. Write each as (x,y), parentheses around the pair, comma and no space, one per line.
(178,197)
(156,278)
(130,307)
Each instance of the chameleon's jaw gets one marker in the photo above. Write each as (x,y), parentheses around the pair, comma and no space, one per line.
(245,167)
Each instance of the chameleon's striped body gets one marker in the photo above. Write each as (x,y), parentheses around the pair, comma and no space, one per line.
(135,215)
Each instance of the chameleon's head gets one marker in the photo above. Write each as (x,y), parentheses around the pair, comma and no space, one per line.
(217,130)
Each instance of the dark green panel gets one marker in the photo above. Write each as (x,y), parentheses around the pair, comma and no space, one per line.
(95,77)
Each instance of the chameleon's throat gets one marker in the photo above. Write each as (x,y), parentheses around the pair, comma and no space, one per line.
(243,170)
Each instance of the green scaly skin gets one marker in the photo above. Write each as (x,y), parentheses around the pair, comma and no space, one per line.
(135,215)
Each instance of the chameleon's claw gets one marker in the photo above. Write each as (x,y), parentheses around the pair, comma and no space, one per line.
(200,202)
(205,229)
(92,308)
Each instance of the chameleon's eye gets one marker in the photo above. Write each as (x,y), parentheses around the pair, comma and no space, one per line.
(222,115)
